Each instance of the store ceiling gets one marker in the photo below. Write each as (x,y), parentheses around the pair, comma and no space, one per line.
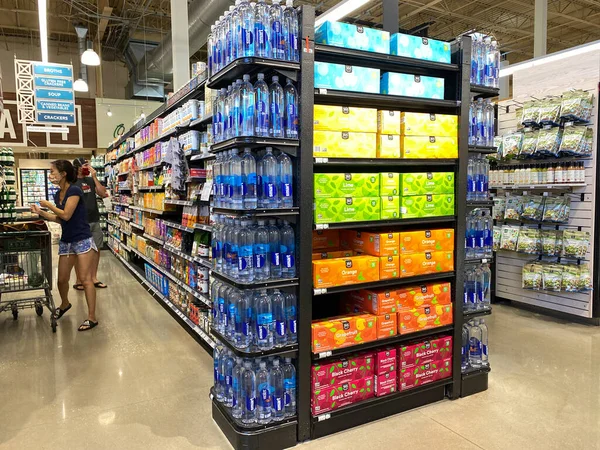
(114,22)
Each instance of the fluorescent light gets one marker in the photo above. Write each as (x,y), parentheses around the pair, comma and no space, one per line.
(43,29)
(109,112)
(340,10)
(80,85)
(90,57)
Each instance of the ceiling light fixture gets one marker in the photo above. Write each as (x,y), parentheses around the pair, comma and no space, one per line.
(143,115)
(80,85)
(340,10)
(109,112)
(43,29)
(90,57)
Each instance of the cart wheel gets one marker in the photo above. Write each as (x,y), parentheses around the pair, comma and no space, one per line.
(39,309)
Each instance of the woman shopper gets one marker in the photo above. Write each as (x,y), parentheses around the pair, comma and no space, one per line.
(76,246)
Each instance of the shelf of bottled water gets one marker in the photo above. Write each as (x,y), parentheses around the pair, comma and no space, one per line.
(242,182)
(256,391)
(253,30)
(482,120)
(478,176)
(477,288)
(475,350)
(479,234)
(485,62)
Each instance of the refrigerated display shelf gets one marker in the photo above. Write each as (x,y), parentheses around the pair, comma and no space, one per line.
(385,223)
(540,186)
(158,212)
(203,260)
(278,283)
(287,351)
(483,260)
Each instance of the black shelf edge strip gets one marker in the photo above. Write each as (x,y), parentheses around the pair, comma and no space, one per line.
(485,260)
(269,284)
(250,64)
(478,371)
(254,141)
(383,162)
(258,212)
(484,91)
(468,315)
(385,223)
(476,203)
(287,351)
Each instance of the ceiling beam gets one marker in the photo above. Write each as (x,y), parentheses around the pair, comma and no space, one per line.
(559,14)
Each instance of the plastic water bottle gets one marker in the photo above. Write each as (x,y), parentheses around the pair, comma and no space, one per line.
(246,118)
(487,286)
(277,37)
(489,63)
(246,38)
(232,302)
(219,43)
(290,28)
(246,253)
(238,117)
(221,311)
(480,191)
(277,106)
(210,46)
(227,37)
(489,119)
(496,64)
(236,29)
(289,386)
(484,343)
(235,176)
(286,181)
(278,305)
(481,50)
(214,294)
(222,361)
(270,174)
(262,39)
(479,237)
(243,325)
(478,287)
(227,107)
(471,179)
(472,125)
(488,235)
(234,248)
(291,110)
(274,249)
(480,137)
(217,355)
(470,290)
(262,102)
(262,270)
(237,405)
(228,394)
(264,394)
(249,198)
(248,394)
(474,345)
(464,351)
(288,251)
(264,321)
(291,318)
(222,115)
(277,391)
(217,180)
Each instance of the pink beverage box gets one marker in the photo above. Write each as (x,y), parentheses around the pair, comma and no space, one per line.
(386,383)
(329,398)
(425,352)
(416,376)
(386,361)
(342,370)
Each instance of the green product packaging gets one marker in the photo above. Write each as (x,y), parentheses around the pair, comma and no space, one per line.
(337,185)
(390,208)
(426,183)
(426,206)
(348,209)
(389,184)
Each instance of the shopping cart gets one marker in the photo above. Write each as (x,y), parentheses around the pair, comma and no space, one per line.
(26,266)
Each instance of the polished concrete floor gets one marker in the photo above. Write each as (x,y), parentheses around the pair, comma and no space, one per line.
(139,381)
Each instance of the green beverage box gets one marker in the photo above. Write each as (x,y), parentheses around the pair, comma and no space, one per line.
(348,209)
(337,185)
(389,184)
(426,183)
(390,207)
(426,206)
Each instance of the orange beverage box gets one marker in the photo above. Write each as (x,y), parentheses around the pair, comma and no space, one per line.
(387,324)
(343,331)
(427,241)
(424,318)
(332,254)
(380,301)
(376,244)
(326,240)
(426,295)
(426,262)
(343,271)
(389,267)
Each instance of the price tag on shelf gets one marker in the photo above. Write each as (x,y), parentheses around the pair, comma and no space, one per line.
(322,91)
(326,354)
(322,417)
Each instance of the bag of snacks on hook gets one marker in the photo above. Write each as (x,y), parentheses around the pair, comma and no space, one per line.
(496,238)
(514,207)
(548,142)
(529,241)
(585,279)
(511,145)
(551,277)
(509,238)
(519,118)
(549,113)
(499,208)
(575,243)
(532,276)
(531,113)
(573,141)
(533,208)
(529,144)
(576,105)
(570,278)
(557,209)
(549,240)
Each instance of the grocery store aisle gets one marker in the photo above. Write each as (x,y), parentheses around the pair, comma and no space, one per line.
(139,381)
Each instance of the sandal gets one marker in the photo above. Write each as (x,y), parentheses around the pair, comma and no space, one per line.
(100,285)
(78,287)
(58,313)
(87,325)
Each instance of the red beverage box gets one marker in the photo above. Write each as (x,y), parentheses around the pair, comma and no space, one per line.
(386,383)
(416,376)
(344,394)
(386,361)
(342,371)
(425,352)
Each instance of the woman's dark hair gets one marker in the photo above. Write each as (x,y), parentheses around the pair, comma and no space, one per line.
(62,165)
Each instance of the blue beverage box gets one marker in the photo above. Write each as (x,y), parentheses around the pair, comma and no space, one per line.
(420,48)
(412,85)
(351,36)
(346,78)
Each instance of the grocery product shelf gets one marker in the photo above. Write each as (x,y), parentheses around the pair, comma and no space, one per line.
(482,149)
(395,340)
(278,283)
(385,162)
(385,223)
(288,351)
(540,186)
(202,226)
(549,160)
(151,188)
(474,381)
(179,253)
(251,65)
(200,121)
(284,144)
(420,279)
(258,212)
(468,315)
(179,202)
(484,91)
(484,260)
(178,226)
(154,239)
(202,156)
(203,260)
(152,166)
(479,203)
(135,225)
(150,210)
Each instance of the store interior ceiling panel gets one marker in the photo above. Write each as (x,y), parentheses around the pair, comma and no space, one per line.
(115,22)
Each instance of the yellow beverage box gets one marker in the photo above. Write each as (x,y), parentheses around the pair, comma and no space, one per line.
(389,184)
(424,263)
(428,147)
(389,267)
(388,122)
(390,207)
(345,118)
(375,244)
(388,145)
(427,240)
(344,271)
(327,240)
(423,124)
(344,144)
(331,255)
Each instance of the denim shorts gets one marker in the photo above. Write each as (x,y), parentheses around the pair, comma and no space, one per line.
(76,248)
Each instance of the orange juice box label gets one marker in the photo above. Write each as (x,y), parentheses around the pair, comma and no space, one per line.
(388,146)
(424,318)
(343,271)
(385,361)
(386,383)
(426,262)
(424,124)
(413,377)
(344,331)
(389,184)
(427,241)
(425,295)
(389,267)
(331,255)
(390,207)
(333,397)
(342,371)
(379,301)
(431,351)
(387,324)
(326,239)
(388,122)
(375,244)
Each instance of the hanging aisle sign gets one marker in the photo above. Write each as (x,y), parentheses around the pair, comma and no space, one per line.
(45,93)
